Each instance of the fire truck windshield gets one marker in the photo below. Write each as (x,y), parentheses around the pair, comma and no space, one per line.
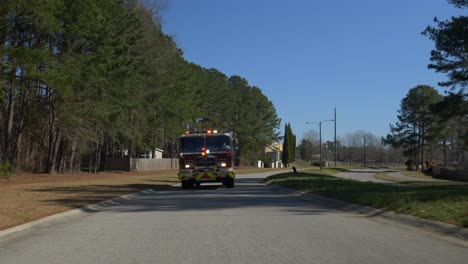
(213,143)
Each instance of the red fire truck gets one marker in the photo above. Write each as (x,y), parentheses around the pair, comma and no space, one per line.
(206,157)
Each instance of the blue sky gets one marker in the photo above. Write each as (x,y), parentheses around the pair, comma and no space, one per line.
(309,57)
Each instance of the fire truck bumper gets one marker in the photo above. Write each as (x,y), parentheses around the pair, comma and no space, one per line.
(213,176)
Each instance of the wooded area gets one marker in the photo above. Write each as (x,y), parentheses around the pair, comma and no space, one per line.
(427,120)
(84,80)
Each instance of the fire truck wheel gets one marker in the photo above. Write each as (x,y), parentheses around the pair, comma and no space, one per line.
(187,184)
(229,183)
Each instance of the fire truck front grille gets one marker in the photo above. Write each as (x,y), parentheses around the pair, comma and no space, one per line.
(204,162)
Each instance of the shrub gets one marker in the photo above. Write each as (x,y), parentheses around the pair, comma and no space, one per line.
(5,169)
(409,165)
(429,163)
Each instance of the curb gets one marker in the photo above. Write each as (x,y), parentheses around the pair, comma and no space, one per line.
(67,215)
(425,224)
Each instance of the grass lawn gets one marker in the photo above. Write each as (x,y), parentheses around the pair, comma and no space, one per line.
(431,201)
(416,174)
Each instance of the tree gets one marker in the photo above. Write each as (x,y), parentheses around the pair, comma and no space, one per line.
(289,145)
(459,3)
(309,144)
(252,118)
(416,122)
(451,54)
(306,149)
(286,144)
(452,122)
(292,147)
(451,57)
(83,80)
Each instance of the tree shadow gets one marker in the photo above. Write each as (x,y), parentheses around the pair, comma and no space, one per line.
(79,196)
(341,169)
(248,193)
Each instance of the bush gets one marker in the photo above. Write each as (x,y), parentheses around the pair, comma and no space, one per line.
(5,169)
(429,163)
(409,165)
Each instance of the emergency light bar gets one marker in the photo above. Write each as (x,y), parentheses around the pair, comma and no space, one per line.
(208,131)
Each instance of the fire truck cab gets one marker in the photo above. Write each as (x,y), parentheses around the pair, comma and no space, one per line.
(206,157)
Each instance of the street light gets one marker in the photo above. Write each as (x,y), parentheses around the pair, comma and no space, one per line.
(320,133)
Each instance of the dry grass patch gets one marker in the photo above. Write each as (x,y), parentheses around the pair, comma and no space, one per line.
(28,197)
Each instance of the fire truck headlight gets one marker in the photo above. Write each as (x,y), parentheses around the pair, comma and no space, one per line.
(223,164)
(187,166)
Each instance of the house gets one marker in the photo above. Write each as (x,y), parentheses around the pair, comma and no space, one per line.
(273,153)
(152,154)
(142,160)
(156,153)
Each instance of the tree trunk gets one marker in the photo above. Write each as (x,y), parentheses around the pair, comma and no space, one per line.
(62,163)
(50,141)
(18,149)
(445,152)
(57,141)
(72,157)
(415,144)
(422,146)
(9,113)
(90,160)
(78,169)
(98,157)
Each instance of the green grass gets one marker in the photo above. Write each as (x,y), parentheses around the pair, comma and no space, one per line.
(436,202)
(416,174)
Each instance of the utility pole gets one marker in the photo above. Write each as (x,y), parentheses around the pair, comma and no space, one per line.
(364,162)
(336,147)
(320,129)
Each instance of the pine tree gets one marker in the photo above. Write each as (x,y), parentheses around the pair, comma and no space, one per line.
(286,143)
(416,122)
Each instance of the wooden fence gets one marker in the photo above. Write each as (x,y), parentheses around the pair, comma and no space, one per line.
(131,164)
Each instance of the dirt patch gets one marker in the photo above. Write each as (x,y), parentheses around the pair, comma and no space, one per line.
(25,197)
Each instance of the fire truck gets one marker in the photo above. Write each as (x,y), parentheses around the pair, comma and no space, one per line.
(206,157)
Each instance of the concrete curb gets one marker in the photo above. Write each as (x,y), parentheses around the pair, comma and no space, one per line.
(427,225)
(67,215)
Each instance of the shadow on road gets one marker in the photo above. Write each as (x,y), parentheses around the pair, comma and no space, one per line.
(248,193)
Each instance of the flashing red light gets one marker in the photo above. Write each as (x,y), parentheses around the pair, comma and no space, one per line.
(203,149)
(209,131)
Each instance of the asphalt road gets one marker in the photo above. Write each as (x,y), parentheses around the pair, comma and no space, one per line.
(249,224)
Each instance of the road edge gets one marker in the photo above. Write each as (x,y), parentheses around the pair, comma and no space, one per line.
(425,224)
(48,221)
